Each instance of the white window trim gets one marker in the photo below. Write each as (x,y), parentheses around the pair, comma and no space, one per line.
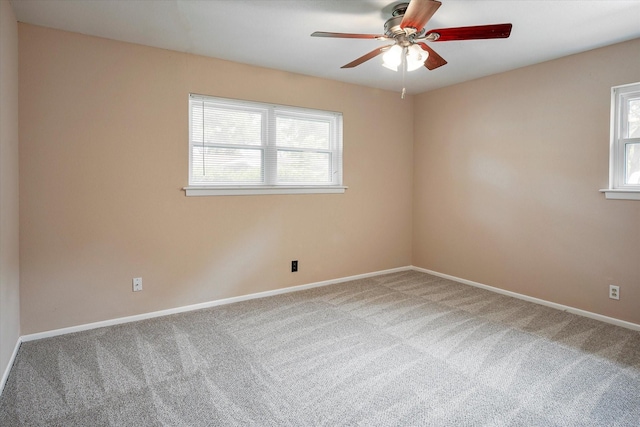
(269,150)
(618,190)
(258,190)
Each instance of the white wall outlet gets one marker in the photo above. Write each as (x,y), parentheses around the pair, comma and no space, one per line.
(137,284)
(614,292)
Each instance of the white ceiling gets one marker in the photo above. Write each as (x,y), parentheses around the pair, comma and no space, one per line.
(276,33)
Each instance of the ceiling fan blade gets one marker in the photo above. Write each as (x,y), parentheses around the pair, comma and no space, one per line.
(366,57)
(497,31)
(434,60)
(418,13)
(348,35)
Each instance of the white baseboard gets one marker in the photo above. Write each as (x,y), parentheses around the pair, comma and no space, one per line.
(5,375)
(568,309)
(135,318)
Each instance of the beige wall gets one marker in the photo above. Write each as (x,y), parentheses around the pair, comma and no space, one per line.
(503,188)
(103,158)
(506,177)
(9,266)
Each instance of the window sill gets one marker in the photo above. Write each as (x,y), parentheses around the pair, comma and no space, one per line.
(619,194)
(262,190)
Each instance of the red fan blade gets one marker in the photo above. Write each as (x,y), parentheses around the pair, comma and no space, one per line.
(367,57)
(348,35)
(434,60)
(418,13)
(498,31)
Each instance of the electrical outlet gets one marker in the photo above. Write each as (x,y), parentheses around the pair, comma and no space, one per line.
(614,292)
(294,266)
(137,284)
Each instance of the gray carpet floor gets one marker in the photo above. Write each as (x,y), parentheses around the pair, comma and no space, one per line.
(402,349)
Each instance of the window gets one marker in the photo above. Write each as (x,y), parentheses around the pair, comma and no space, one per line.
(624,163)
(242,147)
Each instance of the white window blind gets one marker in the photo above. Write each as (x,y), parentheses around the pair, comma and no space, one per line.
(248,145)
(630,136)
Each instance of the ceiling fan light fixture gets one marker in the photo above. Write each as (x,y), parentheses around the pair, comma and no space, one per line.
(406,29)
(416,57)
(392,58)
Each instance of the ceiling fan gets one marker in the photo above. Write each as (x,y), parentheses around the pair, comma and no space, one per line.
(406,29)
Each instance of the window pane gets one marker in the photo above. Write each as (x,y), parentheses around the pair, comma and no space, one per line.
(243,143)
(213,165)
(632,159)
(223,125)
(298,132)
(633,123)
(301,167)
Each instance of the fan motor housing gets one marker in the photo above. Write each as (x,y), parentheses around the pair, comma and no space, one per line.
(392,25)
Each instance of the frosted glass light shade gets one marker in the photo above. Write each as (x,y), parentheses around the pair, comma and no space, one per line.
(415,57)
(392,58)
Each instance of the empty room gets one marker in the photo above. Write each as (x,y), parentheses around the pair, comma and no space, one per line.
(302,213)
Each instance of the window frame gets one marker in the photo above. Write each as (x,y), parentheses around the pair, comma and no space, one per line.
(618,188)
(269,148)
